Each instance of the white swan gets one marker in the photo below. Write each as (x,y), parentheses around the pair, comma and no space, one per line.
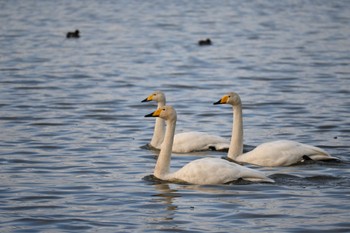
(275,153)
(201,171)
(187,141)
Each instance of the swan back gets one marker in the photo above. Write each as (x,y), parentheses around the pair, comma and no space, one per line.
(198,141)
(282,153)
(215,171)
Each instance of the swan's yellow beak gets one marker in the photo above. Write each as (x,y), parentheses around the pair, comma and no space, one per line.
(149,98)
(155,113)
(223,100)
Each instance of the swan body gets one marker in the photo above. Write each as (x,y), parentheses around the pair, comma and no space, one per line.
(198,141)
(271,154)
(282,153)
(214,171)
(187,141)
(205,171)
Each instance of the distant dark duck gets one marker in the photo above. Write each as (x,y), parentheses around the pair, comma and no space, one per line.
(204,42)
(73,34)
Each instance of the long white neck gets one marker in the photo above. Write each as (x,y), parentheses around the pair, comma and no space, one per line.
(236,145)
(163,162)
(159,130)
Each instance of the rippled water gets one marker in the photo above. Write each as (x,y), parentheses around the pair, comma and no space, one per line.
(72,124)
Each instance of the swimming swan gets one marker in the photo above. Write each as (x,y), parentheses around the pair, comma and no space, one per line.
(187,141)
(203,171)
(275,153)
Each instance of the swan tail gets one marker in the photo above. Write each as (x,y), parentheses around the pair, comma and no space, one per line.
(253,175)
(265,179)
(322,157)
(219,147)
(320,154)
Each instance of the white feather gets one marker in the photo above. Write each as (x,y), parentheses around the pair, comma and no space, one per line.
(202,171)
(184,142)
(276,153)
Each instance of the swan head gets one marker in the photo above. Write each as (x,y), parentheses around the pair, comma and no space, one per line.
(156,96)
(231,98)
(166,112)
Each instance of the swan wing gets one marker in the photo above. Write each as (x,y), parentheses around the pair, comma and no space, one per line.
(198,141)
(208,171)
(282,153)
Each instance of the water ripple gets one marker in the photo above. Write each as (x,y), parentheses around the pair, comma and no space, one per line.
(72,122)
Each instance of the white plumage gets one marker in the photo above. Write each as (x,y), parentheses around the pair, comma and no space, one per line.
(275,153)
(204,171)
(187,141)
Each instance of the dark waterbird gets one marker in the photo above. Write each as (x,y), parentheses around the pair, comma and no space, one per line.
(74,34)
(205,42)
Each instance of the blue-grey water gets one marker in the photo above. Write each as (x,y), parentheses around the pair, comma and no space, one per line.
(71,117)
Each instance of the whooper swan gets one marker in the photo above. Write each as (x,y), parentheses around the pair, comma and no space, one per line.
(275,153)
(205,171)
(187,141)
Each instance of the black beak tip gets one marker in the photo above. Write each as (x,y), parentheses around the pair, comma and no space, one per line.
(218,102)
(149,115)
(145,100)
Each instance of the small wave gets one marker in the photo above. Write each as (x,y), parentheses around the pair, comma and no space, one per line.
(152,180)
(9,69)
(316,180)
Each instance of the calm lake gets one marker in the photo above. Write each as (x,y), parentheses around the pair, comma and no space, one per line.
(72,122)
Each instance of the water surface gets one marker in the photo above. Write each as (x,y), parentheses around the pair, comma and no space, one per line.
(72,124)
